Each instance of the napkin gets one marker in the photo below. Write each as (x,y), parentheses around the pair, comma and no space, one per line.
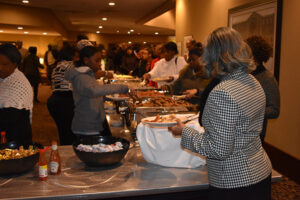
(160,147)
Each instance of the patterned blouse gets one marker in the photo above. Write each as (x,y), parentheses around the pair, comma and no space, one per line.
(233,119)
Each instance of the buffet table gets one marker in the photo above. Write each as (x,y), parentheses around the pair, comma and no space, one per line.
(133,177)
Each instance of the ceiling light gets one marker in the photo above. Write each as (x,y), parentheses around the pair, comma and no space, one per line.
(118,31)
(128,32)
(104,18)
(129,42)
(111,3)
(131,30)
(156,33)
(26,32)
(139,33)
(97,32)
(45,33)
(1,31)
(25,1)
(144,42)
(100,26)
(20,27)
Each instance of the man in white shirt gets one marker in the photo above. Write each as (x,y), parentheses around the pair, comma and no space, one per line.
(168,67)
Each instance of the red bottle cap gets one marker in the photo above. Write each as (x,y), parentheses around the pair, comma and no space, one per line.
(3,133)
(43,150)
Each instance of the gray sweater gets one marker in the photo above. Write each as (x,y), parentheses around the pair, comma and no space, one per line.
(88,95)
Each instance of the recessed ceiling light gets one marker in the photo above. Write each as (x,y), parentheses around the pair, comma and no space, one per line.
(104,18)
(20,27)
(25,1)
(128,32)
(97,32)
(100,26)
(131,30)
(45,33)
(156,33)
(129,42)
(26,32)
(111,3)
(1,31)
(118,31)
(144,42)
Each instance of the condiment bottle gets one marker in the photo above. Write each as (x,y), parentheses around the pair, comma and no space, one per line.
(43,168)
(55,166)
(3,137)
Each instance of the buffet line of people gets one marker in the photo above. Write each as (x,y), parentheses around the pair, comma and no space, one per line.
(226,78)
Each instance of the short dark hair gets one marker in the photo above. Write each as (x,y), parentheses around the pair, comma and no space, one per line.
(86,52)
(261,50)
(82,37)
(32,50)
(67,53)
(171,46)
(11,52)
(196,51)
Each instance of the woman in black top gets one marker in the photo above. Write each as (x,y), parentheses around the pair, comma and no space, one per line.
(262,51)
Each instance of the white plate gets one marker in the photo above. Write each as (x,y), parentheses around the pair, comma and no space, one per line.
(163,124)
(116,97)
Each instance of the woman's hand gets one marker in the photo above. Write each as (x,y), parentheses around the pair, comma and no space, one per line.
(171,78)
(177,130)
(147,77)
(165,88)
(190,93)
(109,75)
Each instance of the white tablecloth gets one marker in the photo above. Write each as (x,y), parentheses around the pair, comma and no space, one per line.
(160,147)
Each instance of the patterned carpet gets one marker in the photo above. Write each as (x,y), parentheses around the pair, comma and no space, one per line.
(44,131)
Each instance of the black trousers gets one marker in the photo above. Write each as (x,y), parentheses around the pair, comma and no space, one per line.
(34,82)
(17,125)
(61,108)
(258,191)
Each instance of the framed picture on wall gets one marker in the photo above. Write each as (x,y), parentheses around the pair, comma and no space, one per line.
(262,18)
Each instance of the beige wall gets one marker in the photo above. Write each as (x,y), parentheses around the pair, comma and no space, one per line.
(39,41)
(108,38)
(199,17)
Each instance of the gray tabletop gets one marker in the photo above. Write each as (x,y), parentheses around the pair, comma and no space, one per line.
(132,177)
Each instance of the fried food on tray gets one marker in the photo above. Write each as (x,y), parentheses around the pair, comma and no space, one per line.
(149,93)
(7,154)
(162,102)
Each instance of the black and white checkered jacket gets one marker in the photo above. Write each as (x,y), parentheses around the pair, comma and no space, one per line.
(233,119)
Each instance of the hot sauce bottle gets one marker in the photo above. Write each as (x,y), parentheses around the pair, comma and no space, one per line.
(43,168)
(55,166)
(3,137)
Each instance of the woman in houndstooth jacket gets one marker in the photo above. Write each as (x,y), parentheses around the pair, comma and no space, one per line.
(238,166)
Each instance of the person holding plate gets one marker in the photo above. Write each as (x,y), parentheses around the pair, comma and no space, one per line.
(167,68)
(238,166)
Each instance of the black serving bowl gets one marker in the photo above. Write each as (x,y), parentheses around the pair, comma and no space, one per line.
(100,159)
(17,166)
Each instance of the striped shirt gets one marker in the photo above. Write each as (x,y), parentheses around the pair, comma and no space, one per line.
(59,83)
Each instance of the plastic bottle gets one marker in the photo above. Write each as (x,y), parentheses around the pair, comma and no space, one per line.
(3,137)
(55,166)
(43,167)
